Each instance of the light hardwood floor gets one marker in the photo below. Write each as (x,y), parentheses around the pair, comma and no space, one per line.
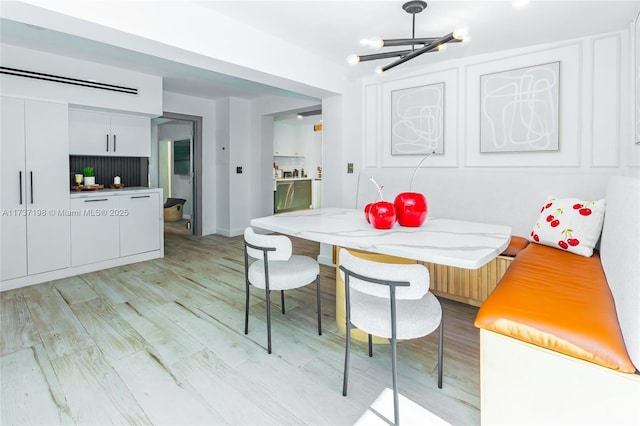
(162,342)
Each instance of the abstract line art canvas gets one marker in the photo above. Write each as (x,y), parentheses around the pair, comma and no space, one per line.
(519,109)
(417,120)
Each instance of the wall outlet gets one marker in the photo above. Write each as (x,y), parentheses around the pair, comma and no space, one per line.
(239,170)
(349,167)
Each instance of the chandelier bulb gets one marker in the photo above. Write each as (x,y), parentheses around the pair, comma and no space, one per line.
(379,70)
(441,48)
(353,59)
(376,42)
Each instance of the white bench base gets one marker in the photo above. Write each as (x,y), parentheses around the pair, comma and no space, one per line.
(525,384)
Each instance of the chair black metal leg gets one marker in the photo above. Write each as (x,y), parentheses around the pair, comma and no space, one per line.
(282,300)
(440,341)
(394,372)
(246,312)
(319,306)
(268,297)
(347,351)
(370,340)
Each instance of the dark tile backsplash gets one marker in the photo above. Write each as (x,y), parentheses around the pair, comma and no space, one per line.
(133,171)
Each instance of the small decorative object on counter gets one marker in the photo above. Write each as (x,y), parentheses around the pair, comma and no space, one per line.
(118,185)
(87,187)
(411,207)
(381,214)
(89,176)
(78,179)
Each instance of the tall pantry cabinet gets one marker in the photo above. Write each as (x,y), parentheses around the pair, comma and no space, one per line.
(34,155)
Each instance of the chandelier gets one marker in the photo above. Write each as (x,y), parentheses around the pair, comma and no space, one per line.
(418,45)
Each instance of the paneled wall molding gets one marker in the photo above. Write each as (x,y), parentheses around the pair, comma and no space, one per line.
(591,115)
(449,158)
(371,123)
(569,114)
(634,101)
(605,105)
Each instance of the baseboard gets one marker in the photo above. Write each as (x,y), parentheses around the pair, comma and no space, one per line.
(78,270)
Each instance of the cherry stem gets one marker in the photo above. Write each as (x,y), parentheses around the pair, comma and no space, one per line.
(378,187)
(418,166)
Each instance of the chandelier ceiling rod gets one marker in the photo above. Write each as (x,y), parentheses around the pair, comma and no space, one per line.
(425,44)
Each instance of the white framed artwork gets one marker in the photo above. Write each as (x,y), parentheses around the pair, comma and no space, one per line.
(417,120)
(420,96)
(570,89)
(520,109)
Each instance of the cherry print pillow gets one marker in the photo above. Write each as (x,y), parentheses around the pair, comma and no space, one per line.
(569,224)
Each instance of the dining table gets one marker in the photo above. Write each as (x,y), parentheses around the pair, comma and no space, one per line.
(450,242)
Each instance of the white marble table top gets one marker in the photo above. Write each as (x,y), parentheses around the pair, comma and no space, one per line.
(444,241)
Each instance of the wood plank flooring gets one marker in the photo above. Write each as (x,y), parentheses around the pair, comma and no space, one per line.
(162,342)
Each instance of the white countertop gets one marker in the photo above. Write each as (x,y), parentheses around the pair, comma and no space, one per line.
(444,241)
(109,191)
(290,179)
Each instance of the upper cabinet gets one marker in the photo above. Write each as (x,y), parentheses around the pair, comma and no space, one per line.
(97,133)
(288,147)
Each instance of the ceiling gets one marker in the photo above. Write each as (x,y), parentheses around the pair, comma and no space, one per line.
(333,29)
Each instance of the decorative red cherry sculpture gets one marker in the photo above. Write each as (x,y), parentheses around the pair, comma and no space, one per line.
(366,212)
(382,215)
(411,209)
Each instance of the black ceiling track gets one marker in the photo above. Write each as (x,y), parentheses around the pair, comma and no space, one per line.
(67,80)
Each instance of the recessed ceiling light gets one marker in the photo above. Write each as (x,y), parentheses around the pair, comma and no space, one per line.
(520,3)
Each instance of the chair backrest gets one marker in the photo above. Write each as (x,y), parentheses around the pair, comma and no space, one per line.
(415,274)
(280,243)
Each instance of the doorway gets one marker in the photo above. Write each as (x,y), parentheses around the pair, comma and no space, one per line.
(297,160)
(177,169)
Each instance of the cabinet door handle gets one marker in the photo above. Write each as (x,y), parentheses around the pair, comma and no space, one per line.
(31,184)
(107,143)
(141,196)
(20,185)
(114,143)
(93,201)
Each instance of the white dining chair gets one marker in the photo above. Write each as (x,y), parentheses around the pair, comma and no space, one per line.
(276,268)
(390,301)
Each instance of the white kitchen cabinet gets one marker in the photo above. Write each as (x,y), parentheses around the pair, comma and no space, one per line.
(140,226)
(287,147)
(13,196)
(97,133)
(35,187)
(95,231)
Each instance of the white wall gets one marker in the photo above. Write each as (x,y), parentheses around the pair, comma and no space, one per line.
(206,109)
(241,194)
(595,140)
(148,101)
(164,167)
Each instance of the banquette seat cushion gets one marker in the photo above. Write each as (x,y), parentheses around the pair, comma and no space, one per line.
(560,301)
